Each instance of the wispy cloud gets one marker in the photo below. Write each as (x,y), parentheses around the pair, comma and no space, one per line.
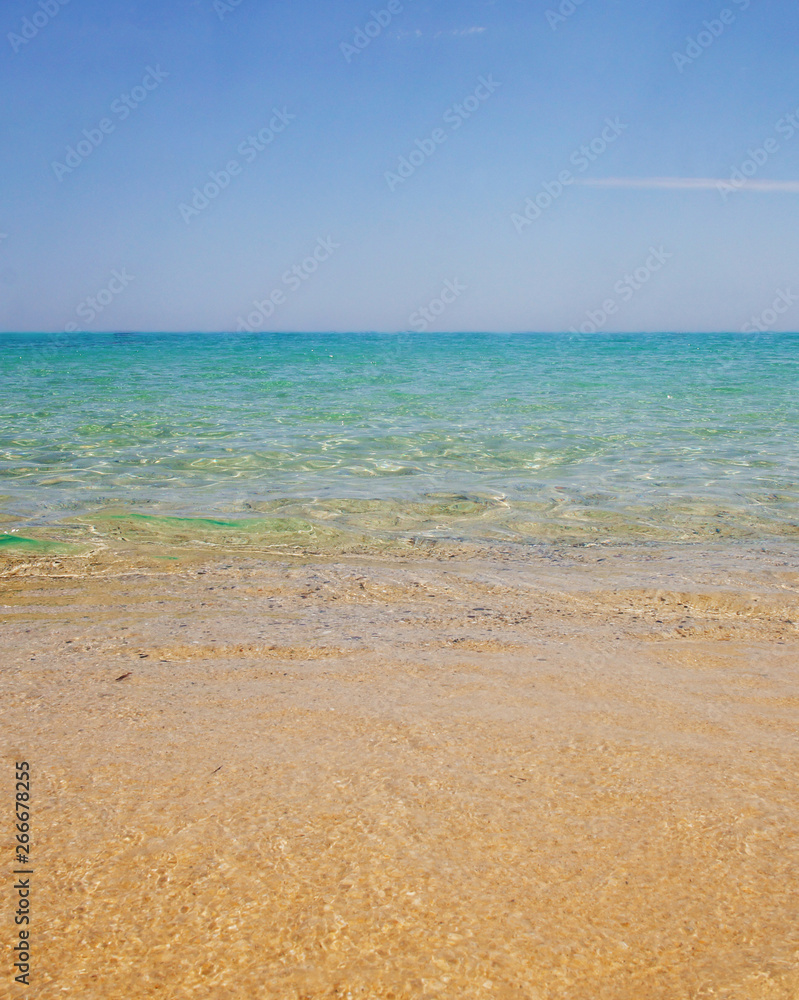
(450,33)
(688,184)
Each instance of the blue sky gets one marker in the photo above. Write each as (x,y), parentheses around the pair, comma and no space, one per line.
(316,229)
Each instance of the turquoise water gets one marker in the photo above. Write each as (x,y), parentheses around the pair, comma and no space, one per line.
(524,436)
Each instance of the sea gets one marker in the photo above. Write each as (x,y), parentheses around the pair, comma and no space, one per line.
(270,439)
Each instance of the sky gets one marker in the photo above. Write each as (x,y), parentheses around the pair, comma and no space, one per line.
(479,165)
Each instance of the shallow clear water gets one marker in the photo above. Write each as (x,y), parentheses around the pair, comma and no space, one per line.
(481,434)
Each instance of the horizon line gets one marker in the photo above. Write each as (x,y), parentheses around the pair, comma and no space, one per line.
(393,333)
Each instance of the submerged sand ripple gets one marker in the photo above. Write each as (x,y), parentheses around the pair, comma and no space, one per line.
(561,776)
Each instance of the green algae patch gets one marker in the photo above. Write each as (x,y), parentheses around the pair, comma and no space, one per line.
(182,533)
(31,544)
(249,526)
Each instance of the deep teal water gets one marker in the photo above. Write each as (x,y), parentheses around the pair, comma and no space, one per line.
(688,434)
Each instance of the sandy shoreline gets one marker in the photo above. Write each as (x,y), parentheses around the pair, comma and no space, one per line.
(544,773)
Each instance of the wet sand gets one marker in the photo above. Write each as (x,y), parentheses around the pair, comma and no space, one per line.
(443,772)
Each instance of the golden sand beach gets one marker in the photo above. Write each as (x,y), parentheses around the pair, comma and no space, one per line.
(432,772)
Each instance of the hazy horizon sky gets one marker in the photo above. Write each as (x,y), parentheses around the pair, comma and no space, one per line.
(486,165)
